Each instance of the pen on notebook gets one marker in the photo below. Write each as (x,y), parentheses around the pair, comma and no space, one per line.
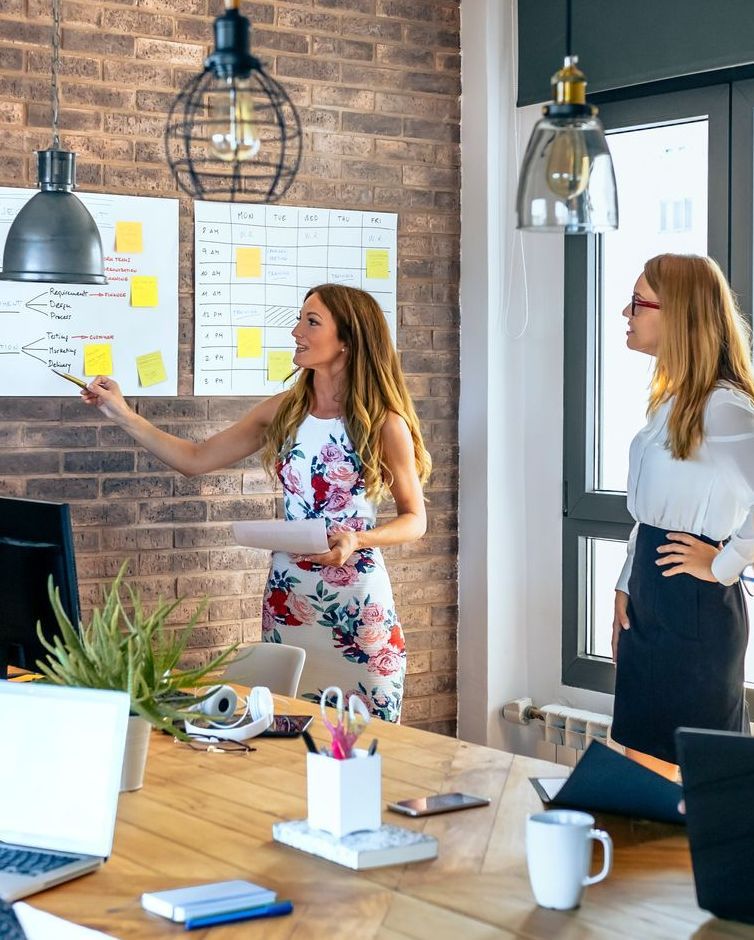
(71,378)
(277,909)
(309,742)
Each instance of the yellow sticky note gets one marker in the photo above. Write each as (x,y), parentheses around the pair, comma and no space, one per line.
(249,342)
(144,292)
(98,359)
(128,238)
(151,369)
(248,262)
(377,264)
(279,364)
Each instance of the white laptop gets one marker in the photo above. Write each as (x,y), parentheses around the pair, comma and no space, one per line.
(61,755)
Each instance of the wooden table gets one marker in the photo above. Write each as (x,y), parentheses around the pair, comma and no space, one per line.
(208,817)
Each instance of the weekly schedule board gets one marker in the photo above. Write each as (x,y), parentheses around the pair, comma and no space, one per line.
(254,265)
(127,328)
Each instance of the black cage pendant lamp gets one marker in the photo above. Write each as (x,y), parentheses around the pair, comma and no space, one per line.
(54,238)
(233,132)
(567,182)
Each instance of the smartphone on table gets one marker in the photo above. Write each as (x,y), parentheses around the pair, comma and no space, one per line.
(288,726)
(440,803)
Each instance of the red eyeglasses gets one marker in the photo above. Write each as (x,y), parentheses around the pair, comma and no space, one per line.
(640,302)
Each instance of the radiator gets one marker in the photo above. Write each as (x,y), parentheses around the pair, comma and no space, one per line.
(567,731)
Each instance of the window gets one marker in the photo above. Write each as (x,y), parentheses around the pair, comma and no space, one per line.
(672,159)
(670,154)
(676,215)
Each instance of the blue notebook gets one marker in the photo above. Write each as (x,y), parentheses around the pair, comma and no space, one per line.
(605,781)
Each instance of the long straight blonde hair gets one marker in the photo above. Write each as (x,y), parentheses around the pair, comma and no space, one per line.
(704,340)
(374,385)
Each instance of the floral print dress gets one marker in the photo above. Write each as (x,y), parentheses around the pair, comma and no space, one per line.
(344,617)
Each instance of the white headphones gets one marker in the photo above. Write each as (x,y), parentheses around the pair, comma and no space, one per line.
(221,722)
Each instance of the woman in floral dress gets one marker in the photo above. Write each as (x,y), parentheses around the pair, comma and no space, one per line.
(342,614)
(344,436)
(339,606)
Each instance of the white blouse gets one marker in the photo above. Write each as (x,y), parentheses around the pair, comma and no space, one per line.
(711,493)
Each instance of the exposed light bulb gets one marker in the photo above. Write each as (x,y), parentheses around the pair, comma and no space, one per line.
(568,164)
(231,119)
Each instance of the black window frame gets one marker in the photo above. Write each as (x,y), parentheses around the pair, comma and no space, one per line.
(603,514)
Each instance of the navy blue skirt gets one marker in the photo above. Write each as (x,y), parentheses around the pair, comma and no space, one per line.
(682,661)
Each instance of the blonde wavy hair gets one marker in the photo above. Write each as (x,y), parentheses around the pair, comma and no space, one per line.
(373,386)
(704,340)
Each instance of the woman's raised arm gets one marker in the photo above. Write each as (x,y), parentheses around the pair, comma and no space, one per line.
(224,449)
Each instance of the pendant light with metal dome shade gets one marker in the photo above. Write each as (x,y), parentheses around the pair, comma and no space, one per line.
(567,181)
(54,238)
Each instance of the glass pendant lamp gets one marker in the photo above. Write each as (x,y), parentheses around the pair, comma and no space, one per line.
(54,238)
(567,182)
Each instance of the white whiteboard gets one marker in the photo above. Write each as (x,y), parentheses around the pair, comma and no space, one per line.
(68,326)
(255,263)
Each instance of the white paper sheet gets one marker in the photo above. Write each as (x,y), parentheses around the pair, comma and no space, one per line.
(287,250)
(297,536)
(49,326)
(39,925)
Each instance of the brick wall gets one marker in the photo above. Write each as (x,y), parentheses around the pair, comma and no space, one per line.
(377,83)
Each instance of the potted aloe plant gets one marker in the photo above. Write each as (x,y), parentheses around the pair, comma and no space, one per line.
(125,647)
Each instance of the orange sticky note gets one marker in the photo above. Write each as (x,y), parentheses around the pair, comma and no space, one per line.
(248,262)
(128,238)
(378,264)
(98,359)
(249,342)
(144,292)
(151,369)
(279,364)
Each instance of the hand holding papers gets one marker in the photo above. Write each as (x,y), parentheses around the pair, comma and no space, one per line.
(297,536)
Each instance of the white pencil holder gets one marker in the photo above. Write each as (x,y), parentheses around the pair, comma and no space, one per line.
(344,795)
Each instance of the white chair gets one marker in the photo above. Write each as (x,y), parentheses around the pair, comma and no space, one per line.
(275,665)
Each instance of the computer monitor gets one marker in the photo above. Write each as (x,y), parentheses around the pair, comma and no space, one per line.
(36,541)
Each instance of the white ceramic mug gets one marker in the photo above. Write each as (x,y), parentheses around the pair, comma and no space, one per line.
(559,853)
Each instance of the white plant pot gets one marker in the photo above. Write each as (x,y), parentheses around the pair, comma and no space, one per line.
(135,757)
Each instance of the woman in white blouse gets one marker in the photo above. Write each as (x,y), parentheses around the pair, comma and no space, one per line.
(680,628)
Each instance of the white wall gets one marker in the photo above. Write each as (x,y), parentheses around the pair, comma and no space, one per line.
(511,409)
